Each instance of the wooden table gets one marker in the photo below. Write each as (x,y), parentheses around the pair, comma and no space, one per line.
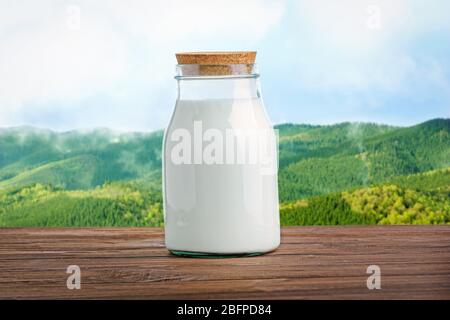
(312,263)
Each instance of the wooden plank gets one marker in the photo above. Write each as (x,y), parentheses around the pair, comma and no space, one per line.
(311,263)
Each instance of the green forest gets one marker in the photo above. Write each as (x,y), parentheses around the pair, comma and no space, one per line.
(347,173)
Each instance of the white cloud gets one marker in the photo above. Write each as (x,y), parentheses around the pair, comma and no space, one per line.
(43,60)
(174,20)
(120,63)
(121,49)
(355,26)
(364,45)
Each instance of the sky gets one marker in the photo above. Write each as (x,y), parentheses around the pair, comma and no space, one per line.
(77,64)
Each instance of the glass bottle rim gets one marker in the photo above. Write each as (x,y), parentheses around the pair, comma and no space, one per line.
(216,71)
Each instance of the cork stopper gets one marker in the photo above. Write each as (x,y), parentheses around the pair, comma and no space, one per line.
(218,63)
(216,58)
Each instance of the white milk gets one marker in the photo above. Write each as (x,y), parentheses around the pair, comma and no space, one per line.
(220,208)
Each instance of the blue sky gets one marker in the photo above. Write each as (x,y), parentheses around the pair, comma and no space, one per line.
(81,64)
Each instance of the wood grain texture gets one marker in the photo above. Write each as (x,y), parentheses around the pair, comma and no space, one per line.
(311,263)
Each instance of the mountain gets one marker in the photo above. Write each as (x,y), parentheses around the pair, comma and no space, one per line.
(421,198)
(101,177)
(351,155)
(76,159)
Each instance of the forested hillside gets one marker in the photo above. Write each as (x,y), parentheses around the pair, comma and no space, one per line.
(348,173)
(76,159)
(351,155)
(414,199)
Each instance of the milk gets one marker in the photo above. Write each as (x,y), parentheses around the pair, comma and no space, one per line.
(220,206)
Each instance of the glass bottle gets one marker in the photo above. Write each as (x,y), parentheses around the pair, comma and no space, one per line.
(220,160)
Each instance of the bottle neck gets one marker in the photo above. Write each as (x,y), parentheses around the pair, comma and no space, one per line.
(218,88)
(225,81)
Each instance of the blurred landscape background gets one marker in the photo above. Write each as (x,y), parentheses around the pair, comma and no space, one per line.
(359,90)
(347,173)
